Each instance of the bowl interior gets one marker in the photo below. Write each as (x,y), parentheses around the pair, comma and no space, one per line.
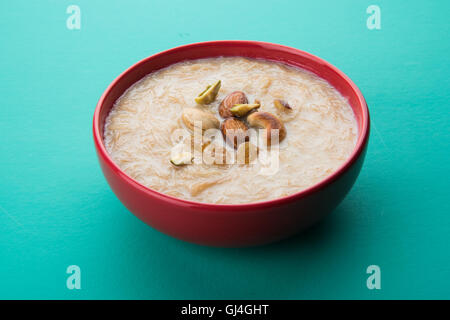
(267,51)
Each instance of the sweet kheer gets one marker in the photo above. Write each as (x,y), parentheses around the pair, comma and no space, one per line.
(230,130)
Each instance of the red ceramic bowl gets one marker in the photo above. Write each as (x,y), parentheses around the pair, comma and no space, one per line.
(242,224)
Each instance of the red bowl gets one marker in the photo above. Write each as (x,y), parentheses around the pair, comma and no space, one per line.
(240,224)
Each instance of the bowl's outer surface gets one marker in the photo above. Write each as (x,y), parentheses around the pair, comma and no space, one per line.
(233,225)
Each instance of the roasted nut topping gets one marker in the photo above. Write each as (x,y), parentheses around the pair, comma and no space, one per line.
(195,116)
(236,97)
(181,154)
(240,110)
(269,122)
(234,131)
(209,94)
(282,105)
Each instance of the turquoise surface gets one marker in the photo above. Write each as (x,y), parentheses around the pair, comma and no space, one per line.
(56,208)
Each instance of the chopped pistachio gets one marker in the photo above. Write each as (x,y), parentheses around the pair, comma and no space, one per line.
(193,117)
(282,105)
(269,122)
(240,110)
(181,154)
(209,94)
(182,158)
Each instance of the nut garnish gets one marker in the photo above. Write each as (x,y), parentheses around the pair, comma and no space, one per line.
(184,151)
(236,97)
(181,159)
(234,131)
(269,122)
(282,105)
(181,154)
(209,94)
(247,153)
(195,117)
(240,110)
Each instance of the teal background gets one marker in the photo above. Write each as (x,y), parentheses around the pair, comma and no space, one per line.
(56,208)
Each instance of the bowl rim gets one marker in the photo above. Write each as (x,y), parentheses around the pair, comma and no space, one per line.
(358,149)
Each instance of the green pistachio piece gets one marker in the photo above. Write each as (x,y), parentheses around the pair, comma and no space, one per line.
(240,110)
(182,158)
(181,153)
(209,94)
(282,105)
